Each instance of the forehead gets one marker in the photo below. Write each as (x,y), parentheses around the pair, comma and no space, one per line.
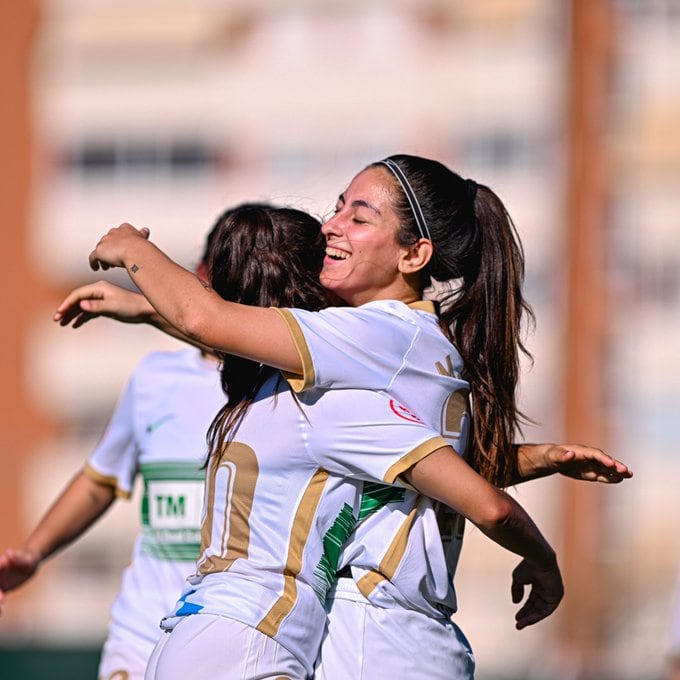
(374,185)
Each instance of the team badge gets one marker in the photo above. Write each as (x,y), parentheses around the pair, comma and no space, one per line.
(403,412)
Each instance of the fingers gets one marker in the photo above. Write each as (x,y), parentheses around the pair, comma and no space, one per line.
(517,591)
(545,595)
(589,464)
(84,304)
(95,263)
(73,305)
(535,609)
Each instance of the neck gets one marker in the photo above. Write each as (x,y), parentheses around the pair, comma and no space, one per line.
(404,294)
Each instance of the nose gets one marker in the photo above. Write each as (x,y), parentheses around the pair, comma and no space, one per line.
(331,226)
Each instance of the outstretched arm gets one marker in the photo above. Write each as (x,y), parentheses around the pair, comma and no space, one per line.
(185,303)
(585,463)
(79,506)
(446,477)
(108,300)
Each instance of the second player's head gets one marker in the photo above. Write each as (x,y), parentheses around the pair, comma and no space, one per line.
(260,254)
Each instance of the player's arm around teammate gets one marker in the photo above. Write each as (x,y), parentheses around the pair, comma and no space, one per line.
(504,521)
(577,461)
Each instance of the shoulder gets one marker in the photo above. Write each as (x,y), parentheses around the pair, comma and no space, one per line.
(387,311)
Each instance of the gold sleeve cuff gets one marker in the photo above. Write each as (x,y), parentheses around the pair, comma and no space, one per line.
(106,480)
(298,382)
(410,459)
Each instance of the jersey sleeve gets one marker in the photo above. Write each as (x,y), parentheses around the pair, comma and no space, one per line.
(344,347)
(114,460)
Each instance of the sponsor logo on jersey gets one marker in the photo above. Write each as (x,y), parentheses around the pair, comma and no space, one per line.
(154,425)
(403,412)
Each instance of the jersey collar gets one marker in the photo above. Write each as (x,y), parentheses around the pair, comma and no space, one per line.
(424,306)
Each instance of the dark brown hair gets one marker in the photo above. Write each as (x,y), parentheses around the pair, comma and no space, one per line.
(264,256)
(478,254)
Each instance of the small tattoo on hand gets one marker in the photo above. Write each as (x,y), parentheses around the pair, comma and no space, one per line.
(134,269)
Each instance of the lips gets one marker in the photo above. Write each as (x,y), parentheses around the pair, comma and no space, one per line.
(336,253)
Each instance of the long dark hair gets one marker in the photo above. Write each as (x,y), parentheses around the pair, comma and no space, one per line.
(479,257)
(268,257)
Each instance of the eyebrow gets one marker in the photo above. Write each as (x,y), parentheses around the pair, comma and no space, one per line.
(360,203)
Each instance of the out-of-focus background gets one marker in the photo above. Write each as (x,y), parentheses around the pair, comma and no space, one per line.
(164,112)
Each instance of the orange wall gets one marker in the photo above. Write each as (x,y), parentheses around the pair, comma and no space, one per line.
(22,427)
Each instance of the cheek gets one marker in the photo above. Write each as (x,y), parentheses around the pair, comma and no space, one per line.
(371,242)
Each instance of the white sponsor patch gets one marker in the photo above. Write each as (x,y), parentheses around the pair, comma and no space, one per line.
(175,505)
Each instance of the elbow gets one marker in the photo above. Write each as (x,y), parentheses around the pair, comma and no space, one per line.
(498,512)
(192,324)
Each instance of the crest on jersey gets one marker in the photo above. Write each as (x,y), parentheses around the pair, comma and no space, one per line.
(403,412)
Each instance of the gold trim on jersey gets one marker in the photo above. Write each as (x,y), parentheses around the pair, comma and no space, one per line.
(239,463)
(389,564)
(424,306)
(107,480)
(298,382)
(302,524)
(412,457)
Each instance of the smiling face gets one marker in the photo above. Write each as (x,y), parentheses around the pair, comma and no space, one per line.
(363,259)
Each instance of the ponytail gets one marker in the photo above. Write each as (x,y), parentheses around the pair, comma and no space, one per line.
(478,256)
(484,320)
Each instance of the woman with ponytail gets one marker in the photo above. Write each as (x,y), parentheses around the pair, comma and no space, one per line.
(401,223)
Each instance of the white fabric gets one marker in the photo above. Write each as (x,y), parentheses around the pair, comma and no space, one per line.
(157,430)
(365,642)
(123,658)
(282,500)
(211,647)
(397,555)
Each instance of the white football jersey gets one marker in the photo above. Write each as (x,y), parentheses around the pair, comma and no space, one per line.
(158,431)
(405,552)
(282,500)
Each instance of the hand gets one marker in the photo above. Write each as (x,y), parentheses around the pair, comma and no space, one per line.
(111,249)
(102,299)
(546,593)
(16,567)
(585,463)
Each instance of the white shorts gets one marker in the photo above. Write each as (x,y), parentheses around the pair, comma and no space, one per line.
(365,642)
(205,646)
(123,658)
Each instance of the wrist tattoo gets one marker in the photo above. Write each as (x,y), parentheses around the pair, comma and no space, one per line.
(134,269)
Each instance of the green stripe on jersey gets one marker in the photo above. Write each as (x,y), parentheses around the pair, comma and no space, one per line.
(174,469)
(179,552)
(376,496)
(333,541)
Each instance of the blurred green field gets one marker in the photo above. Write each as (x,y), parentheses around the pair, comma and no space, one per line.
(32,663)
(72,663)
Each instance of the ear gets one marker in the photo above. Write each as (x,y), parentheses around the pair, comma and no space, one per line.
(202,272)
(415,257)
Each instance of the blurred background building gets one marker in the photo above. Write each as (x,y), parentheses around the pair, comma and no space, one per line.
(162,113)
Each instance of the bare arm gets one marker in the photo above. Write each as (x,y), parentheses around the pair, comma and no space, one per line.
(580,462)
(195,311)
(503,520)
(82,502)
(108,300)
